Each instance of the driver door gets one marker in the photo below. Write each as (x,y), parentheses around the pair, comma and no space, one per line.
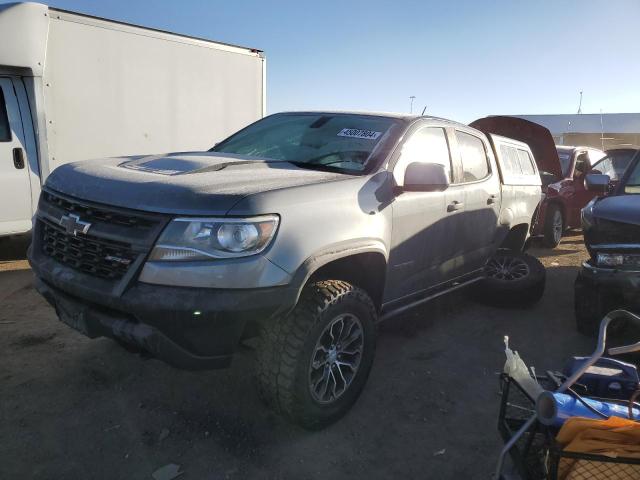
(581,196)
(419,235)
(15,189)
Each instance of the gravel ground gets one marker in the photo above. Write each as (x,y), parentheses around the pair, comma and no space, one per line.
(74,408)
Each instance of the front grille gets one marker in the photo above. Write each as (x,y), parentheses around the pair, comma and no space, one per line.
(96,214)
(96,256)
(607,231)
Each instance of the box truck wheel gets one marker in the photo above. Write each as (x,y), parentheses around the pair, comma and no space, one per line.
(513,279)
(553,226)
(313,363)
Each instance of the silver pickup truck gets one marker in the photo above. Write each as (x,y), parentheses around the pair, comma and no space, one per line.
(304,229)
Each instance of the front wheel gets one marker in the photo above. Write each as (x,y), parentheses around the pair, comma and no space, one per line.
(313,363)
(512,279)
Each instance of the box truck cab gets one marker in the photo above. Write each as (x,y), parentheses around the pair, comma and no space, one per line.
(76,87)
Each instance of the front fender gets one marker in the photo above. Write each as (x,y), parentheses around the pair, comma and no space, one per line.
(325,256)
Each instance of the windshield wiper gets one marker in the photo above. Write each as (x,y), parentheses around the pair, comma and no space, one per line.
(312,166)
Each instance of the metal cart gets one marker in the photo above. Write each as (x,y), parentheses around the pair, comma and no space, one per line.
(531,445)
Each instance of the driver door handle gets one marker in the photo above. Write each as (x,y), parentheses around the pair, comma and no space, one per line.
(492,199)
(18,158)
(454,206)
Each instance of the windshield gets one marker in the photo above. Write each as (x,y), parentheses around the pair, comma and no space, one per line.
(565,161)
(339,141)
(633,181)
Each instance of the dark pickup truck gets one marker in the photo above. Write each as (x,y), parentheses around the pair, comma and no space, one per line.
(610,279)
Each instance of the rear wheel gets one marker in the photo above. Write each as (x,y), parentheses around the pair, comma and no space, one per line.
(553,226)
(313,363)
(512,279)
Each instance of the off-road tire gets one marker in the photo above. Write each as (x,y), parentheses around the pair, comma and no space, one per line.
(519,292)
(552,237)
(287,343)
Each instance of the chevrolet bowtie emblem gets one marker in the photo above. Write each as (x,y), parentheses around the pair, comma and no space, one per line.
(73,225)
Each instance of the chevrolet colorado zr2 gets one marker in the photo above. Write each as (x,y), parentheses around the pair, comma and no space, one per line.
(303,229)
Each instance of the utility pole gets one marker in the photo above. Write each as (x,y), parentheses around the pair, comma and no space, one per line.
(580,104)
(601,131)
(412,98)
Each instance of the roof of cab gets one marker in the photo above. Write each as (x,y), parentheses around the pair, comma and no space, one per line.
(395,115)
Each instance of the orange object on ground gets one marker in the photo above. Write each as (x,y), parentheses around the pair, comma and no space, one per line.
(615,437)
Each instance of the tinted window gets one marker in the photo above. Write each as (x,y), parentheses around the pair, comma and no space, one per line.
(510,161)
(526,162)
(473,157)
(5,131)
(427,145)
(615,164)
(582,164)
(565,161)
(633,182)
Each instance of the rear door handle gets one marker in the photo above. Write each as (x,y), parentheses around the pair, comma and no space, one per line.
(18,158)
(455,205)
(492,199)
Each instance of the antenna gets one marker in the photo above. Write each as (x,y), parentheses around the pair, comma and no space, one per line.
(424,110)
(580,104)
(412,98)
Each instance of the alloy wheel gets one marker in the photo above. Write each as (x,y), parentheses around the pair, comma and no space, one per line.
(507,268)
(336,358)
(557,226)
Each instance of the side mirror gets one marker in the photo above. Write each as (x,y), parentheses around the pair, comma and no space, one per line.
(598,183)
(425,177)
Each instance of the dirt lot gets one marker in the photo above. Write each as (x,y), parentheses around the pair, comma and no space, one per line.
(74,408)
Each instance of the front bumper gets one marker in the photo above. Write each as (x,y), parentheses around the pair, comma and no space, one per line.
(618,281)
(189,328)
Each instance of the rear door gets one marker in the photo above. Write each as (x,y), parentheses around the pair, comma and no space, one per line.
(15,190)
(479,219)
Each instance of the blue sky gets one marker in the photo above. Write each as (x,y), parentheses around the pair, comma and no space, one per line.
(463,59)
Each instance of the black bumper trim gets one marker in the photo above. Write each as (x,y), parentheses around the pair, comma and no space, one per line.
(95,323)
(187,328)
(619,281)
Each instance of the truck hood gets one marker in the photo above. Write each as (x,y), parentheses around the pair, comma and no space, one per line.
(538,138)
(195,183)
(619,208)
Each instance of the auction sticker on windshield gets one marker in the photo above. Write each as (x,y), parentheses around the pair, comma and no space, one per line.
(358,133)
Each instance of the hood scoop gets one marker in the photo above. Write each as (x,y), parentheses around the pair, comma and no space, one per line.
(180,164)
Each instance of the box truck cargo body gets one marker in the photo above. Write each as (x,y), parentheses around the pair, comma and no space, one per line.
(75,87)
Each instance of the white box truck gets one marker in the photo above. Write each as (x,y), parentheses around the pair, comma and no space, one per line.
(75,87)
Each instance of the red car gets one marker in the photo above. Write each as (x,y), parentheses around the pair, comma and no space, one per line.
(565,198)
(562,169)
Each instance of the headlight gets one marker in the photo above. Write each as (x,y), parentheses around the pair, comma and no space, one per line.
(626,260)
(610,260)
(206,238)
